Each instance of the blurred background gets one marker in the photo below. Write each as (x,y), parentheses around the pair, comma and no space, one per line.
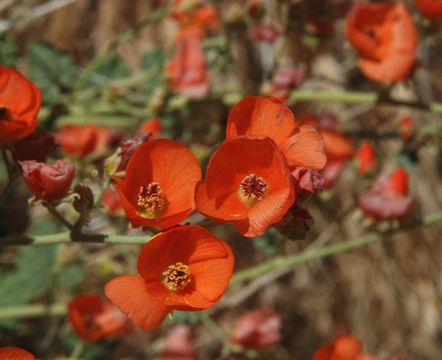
(105,62)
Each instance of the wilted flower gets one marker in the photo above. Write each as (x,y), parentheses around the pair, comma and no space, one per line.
(20,101)
(387,199)
(129,146)
(94,318)
(258,329)
(266,32)
(35,147)
(48,182)
(186,268)
(286,79)
(81,141)
(296,223)
(159,186)
(248,183)
(344,347)
(366,158)
(385,36)
(14,353)
(178,344)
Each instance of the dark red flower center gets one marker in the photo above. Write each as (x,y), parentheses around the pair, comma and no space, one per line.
(4,113)
(151,200)
(252,188)
(177,277)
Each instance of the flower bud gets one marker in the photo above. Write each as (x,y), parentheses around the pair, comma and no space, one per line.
(48,182)
(129,146)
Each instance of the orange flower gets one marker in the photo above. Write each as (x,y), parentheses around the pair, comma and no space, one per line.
(195,14)
(13,353)
(387,199)
(187,72)
(258,329)
(366,158)
(20,101)
(159,186)
(186,268)
(407,128)
(430,8)
(344,347)
(81,141)
(385,36)
(247,182)
(93,318)
(151,126)
(178,344)
(112,202)
(268,116)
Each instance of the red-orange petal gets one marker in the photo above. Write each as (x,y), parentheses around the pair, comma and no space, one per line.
(261,116)
(305,149)
(140,301)
(337,145)
(14,353)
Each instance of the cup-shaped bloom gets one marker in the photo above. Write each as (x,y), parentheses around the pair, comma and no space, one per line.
(385,36)
(159,186)
(387,199)
(178,344)
(81,141)
(94,318)
(268,116)
(48,182)
(20,101)
(430,8)
(366,158)
(343,347)
(258,329)
(187,72)
(14,353)
(186,268)
(248,183)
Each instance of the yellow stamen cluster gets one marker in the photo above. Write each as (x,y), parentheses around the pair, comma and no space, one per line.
(177,277)
(252,188)
(151,200)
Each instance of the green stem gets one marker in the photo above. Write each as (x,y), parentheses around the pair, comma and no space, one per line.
(78,350)
(25,311)
(281,262)
(354,97)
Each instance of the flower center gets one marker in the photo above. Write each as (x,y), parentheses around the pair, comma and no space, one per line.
(4,113)
(252,189)
(177,277)
(151,200)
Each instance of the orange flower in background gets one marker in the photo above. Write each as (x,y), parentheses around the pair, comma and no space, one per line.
(258,329)
(248,183)
(186,268)
(407,128)
(267,116)
(93,318)
(14,353)
(159,186)
(387,199)
(111,201)
(338,147)
(385,36)
(194,13)
(430,8)
(344,347)
(187,72)
(81,141)
(20,101)
(178,344)
(151,126)
(366,158)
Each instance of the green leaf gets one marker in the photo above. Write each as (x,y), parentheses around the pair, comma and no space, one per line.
(53,72)
(8,50)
